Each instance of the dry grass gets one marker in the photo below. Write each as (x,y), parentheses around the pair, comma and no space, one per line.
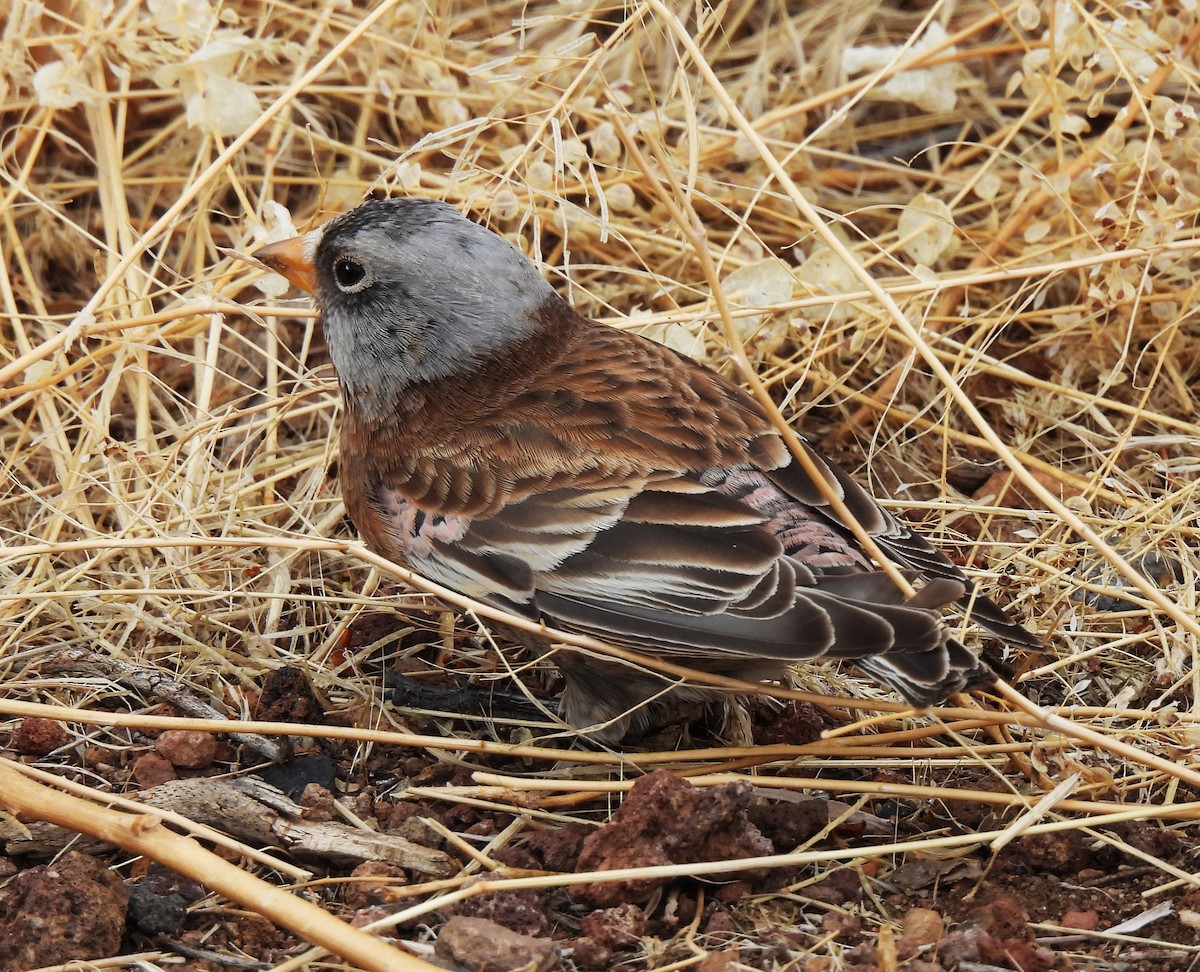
(1019,180)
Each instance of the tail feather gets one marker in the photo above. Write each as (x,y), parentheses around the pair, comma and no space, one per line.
(926,678)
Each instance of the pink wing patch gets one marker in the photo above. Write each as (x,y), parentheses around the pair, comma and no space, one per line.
(414,530)
(805,534)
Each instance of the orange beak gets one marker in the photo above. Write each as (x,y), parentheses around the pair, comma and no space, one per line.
(292,259)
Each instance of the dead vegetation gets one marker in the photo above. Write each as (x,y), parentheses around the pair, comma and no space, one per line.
(1015,188)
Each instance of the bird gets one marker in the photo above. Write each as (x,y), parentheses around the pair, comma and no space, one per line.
(577,475)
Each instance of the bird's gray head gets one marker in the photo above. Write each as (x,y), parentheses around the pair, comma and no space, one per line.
(409,290)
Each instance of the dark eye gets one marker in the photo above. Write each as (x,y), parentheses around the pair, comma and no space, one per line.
(349,274)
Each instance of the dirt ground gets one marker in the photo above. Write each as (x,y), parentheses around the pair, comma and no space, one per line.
(1074,898)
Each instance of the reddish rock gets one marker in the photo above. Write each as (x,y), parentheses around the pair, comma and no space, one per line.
(37,737)
(794,723)
(251,934)
(1151,838)
(484,828)
(789,824)
(732,891)
(558,848)
(591,956)
(317,803)
(918,928)
(151,769)
(666,820)
(71,910)
(616,928)
(720,962)
(1083,920)
(1064,853)
(187,748)
(864,956)
(419,832)
(842,925)
(997,933)
(720,922)
(480,945)
(101,758)
(522,911)
(838,887)
(373,883)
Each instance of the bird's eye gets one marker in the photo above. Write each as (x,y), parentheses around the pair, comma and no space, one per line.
(350,275)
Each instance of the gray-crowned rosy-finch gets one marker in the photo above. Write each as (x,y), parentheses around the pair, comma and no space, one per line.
(509,448)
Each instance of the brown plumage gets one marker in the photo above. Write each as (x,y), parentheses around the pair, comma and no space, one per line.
(515,451)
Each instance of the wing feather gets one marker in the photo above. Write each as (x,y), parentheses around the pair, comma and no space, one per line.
(697,575)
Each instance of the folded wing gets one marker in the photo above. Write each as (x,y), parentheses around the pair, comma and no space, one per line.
(680,568)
